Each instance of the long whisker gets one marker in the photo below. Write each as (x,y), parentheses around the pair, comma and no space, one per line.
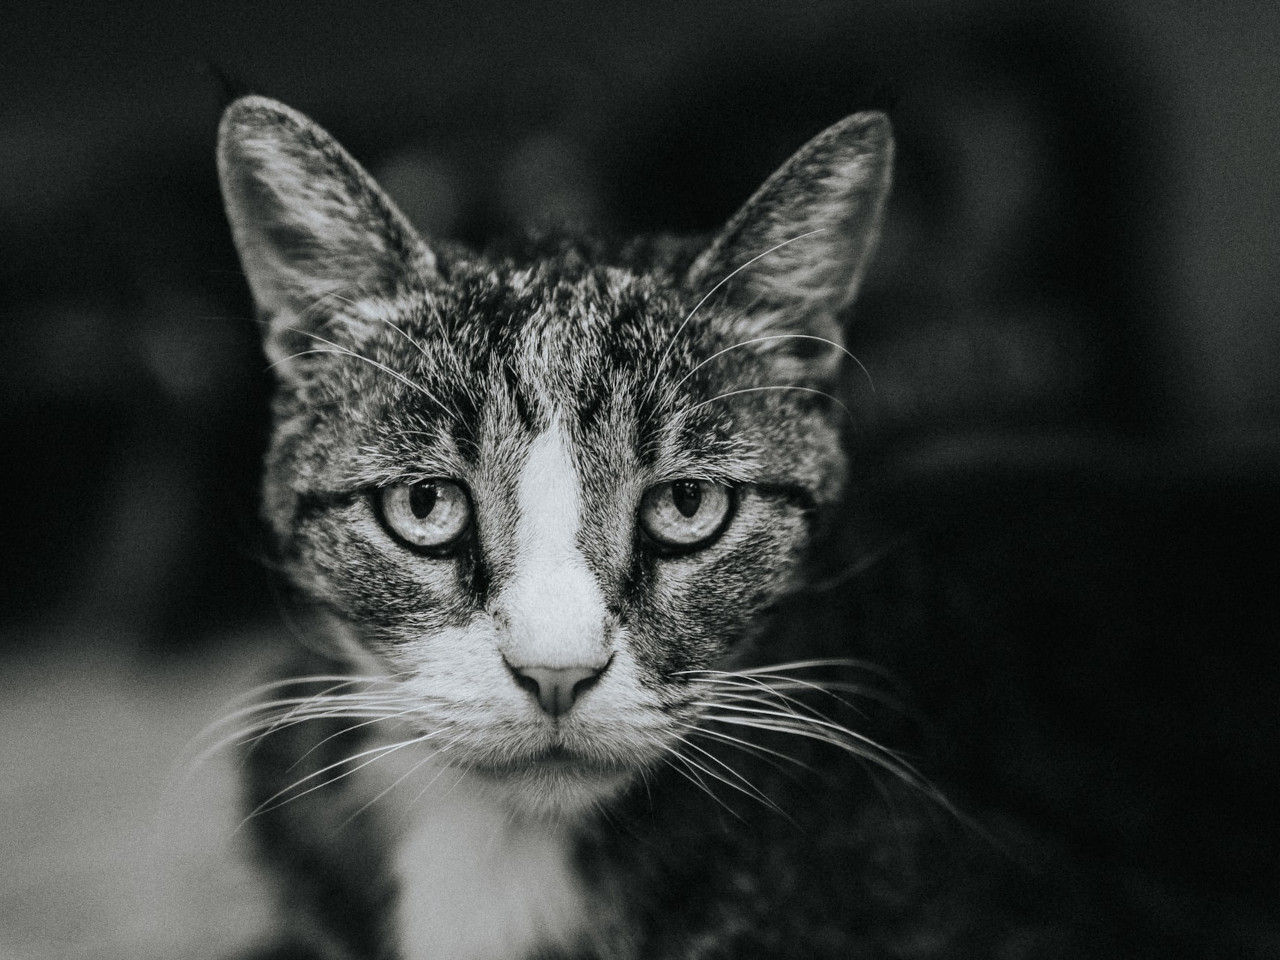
(836,736)
(746,746)
(693,773)
(809,664)
(338,679)
(680,329)
(399,780)
(778,686)
(738,781)
(730,692)
(422,350)
(859,746)
(252,698)
(842,734)
(337,349)
(782,386)
(377,718)
(780,336)
(255,732)
(315,706)
(373,754)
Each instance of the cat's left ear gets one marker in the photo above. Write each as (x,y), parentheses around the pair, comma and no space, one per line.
(794,256)
(314,231)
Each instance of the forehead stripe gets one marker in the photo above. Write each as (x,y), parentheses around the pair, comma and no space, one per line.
(549,499)
(554,607)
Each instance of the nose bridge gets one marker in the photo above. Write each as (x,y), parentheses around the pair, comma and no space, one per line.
(554,616)
(551,613)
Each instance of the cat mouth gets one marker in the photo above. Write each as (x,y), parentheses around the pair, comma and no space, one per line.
(554,782)
(550,761)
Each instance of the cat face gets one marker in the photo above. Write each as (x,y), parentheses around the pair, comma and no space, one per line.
(539,490)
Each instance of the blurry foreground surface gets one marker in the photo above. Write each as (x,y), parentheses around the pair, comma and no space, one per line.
(115,847)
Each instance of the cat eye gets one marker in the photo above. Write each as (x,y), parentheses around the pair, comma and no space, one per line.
(685,514)
(431,515)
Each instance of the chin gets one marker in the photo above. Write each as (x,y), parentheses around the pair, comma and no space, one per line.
(554,788)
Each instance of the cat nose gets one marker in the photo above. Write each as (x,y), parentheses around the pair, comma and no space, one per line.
(557,688)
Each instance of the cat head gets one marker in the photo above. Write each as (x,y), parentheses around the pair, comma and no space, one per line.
(542,489)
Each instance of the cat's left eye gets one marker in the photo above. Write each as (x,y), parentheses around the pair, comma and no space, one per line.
(431,515)
(685,514)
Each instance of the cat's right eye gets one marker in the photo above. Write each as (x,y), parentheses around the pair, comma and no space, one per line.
(431,515)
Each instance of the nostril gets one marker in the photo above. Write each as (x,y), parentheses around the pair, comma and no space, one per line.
(586,683)
(524,681)
(556,688)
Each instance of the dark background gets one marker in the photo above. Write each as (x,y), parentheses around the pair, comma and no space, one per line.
(1072,330)
(1081,236)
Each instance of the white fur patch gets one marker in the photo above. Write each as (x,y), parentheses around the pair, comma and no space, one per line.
(474,883)
(552,604)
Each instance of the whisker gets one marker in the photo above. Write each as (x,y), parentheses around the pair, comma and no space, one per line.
(253,702)
(374,754)
(841,738)
(729,276)
(747,787)
(422,350)
(693,773)
(337,349)
(316,707)
(781,336)
(808,723)
(781,386)
(339,680)
(809,664)
(346,730)
(266,723)
(255,733)
(342,352)
(439,773)
(777,685)
(401,779)
(746,746)
(739,693)
(859,746)
(780,724)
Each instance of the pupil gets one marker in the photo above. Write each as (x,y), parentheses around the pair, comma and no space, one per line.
(422,499)
(687,496)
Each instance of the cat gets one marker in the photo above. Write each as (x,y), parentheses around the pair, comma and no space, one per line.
(580,673)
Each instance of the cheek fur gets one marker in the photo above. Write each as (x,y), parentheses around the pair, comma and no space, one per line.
(360,573)
(695,609)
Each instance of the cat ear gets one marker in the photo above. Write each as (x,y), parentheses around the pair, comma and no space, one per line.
(793,257)
(314,231)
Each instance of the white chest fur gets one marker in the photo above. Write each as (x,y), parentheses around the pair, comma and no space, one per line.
(475,884)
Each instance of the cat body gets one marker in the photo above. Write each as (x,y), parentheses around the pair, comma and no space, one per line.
(556,507)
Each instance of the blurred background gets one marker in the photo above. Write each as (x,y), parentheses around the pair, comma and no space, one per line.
(1076,310)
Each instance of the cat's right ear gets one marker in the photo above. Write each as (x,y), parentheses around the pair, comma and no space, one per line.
(315,233)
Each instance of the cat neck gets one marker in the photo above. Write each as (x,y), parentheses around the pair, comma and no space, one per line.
(477,881)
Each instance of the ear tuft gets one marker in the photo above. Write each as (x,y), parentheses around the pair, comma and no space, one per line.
(801,245)
(310,224)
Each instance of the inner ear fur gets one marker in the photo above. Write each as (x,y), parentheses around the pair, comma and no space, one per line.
(313,229)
